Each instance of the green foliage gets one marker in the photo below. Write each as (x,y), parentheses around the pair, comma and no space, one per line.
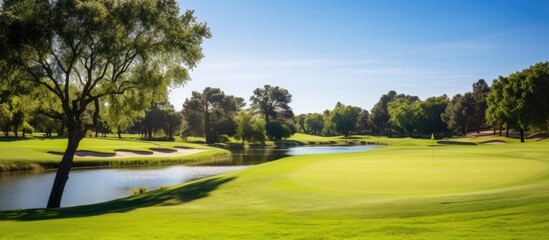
(250,128)
(363,122)
(213,112)
(300,120)
(459,113)
(344,119)
(84,51)
(272,103)
(480,93)
(277,130)
(138,191)
(314,123)
(403,115)
(379,115)
(428,117)
(521,99)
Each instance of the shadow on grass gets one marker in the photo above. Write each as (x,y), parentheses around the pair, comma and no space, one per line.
(13,139)
(167,197)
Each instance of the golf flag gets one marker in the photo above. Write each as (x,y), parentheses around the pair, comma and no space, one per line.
(432,136)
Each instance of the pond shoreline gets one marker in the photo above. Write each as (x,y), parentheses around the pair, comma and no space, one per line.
(107,183)
(214,153)
(101,163)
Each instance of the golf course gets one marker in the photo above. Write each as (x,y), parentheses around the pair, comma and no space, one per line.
(491,188)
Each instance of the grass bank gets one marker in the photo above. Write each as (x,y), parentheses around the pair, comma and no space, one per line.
(482,191)
(36,153)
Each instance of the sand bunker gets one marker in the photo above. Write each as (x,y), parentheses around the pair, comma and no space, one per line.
(494,142)
(142,154)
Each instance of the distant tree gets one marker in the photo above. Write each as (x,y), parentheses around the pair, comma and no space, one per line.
(328,129)
(363,122)
(155,119)
(300,120)
(499,109)
(403,115)
(480,92)
(102,47)
(174,121)
(428,115)
(379,115)
(344,119)
(314,123)
(5,117)
(272,103)
(277,130)
(459,113)
(527,91)
(45,124)
(250,128)
(121,111)
(214,110)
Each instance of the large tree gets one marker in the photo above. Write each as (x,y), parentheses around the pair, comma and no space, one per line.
(403,115)
(101,48)
(344,119)
(480,92)
(459,113)
(250,128)
(272,103)
(527,90)
(314,123)
(363,121)
(379,115)
(214,110)
(498,107)
(428,115)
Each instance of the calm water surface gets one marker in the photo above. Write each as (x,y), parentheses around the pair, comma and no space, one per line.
(31,190)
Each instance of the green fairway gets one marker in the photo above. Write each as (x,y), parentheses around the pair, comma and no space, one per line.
(34,153)
(479,191)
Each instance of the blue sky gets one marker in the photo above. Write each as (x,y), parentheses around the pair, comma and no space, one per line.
(354,51)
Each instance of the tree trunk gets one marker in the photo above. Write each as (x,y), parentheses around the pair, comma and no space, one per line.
(207,130)
(494,130)
(507,132)
(119,132)
(23,131)
(478,126)
(500,130)
(149,133)
(63,170)
(521,135)
(15,131)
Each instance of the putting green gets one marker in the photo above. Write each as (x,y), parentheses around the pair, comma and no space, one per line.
(371,176)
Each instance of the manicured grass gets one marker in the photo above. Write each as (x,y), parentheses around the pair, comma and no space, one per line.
(396,192)
(32,153)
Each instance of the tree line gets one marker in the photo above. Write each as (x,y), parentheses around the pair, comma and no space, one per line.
(518,101)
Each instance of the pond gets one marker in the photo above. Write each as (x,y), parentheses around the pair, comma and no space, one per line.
(87,186)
